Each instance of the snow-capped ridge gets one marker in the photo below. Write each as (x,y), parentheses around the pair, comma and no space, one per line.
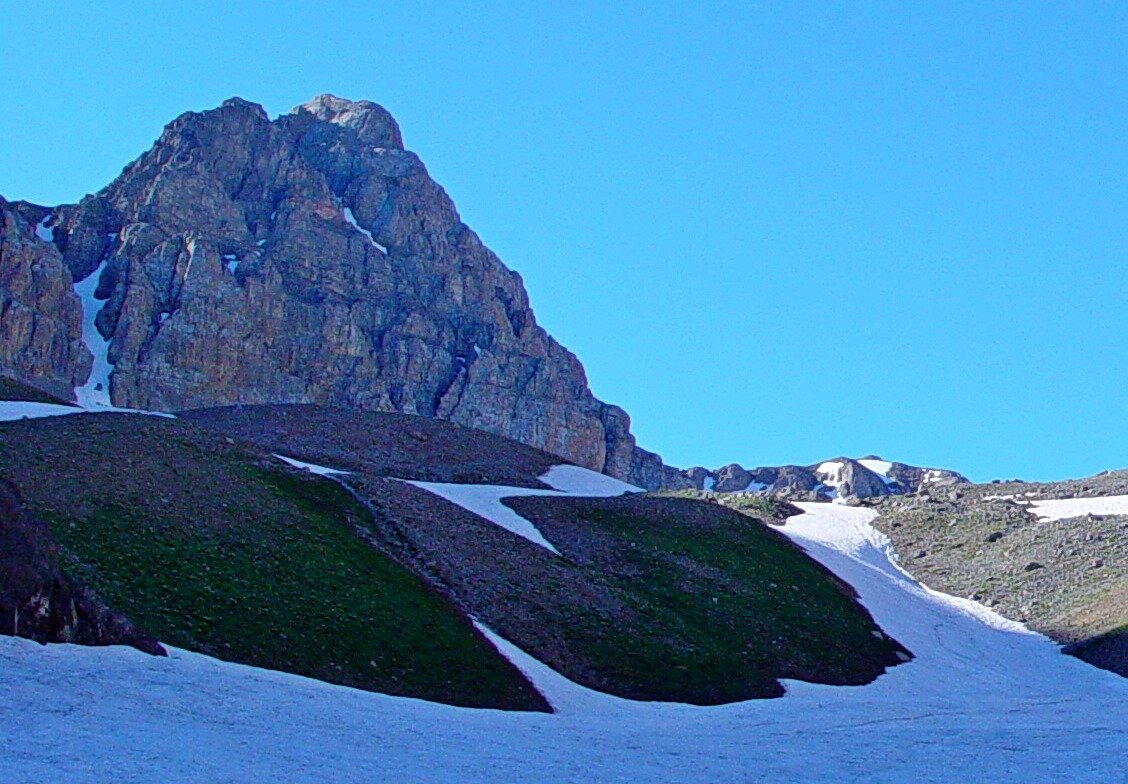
(841,479)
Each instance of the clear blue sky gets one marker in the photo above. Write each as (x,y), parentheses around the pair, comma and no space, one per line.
(772,232)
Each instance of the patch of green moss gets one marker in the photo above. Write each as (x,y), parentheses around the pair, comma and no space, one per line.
(728,609)
(297,591)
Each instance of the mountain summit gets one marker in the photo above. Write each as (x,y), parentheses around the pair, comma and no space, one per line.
(308,259)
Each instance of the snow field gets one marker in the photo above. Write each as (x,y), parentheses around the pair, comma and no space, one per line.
(1064,508)
(984,699)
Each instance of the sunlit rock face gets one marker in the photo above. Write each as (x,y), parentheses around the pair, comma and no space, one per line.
(313,259)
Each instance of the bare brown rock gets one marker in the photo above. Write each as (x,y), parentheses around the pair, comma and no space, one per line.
(312,259)
(40,315)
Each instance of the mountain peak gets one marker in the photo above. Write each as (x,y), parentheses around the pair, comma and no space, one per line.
(235,102)
(373,123)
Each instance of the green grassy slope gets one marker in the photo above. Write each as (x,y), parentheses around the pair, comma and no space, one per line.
(682,600)
(744,603)
(219,550)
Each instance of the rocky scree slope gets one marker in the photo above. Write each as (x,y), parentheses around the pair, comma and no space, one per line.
(210,542)
(1065,578)
(308,259)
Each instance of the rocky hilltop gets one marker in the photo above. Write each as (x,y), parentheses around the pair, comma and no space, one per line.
(312,259)
(306,259)
(840,478)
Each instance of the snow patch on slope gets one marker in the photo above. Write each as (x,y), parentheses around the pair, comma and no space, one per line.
(311,467)
(881,468)
(831,475)
(44,230)
(1065,508)
(96,391)
(486,500)
(574,480)
(351,220)
(12,410)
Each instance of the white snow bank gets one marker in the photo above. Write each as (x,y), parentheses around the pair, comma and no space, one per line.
(486,500)
(351,220)
(574,480)
(313,469)
(931,475)
(961,647)
(11,410)
(44,230)
(879,467)
(88,715)
(1064,508)
(96,391)
(831,475)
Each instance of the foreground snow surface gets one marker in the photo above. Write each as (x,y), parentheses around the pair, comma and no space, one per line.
(11,410)
(985,700)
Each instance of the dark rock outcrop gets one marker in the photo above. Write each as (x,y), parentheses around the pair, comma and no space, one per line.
(38,602)
(40,315)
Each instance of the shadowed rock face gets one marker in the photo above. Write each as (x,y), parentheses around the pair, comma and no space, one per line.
(38,602)
(312,259)
(40,315)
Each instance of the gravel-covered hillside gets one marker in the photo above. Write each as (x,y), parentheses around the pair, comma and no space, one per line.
(1065,577)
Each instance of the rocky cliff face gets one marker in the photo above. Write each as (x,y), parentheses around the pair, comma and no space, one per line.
(40,315)
(308,259)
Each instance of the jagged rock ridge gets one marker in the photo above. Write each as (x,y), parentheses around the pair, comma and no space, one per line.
(840,478)
(306,259)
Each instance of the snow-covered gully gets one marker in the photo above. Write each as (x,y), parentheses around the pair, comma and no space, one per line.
(984,700)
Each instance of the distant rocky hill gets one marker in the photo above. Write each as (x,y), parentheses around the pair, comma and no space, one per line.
(1004,545)
(840,478)
(308,259)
